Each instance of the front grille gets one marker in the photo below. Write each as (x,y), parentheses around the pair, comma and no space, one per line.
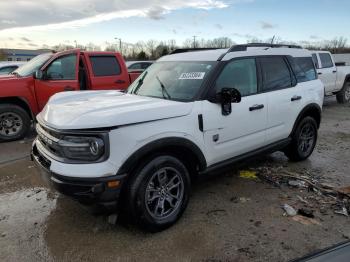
(49,139)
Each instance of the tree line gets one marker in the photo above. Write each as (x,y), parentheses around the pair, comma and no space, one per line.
(153,49)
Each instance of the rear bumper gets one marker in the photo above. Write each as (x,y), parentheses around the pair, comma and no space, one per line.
(88,191)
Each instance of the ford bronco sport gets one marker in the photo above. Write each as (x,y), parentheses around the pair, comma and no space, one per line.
(187,114)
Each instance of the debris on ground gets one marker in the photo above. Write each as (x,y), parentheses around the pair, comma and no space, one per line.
(306,212)
(324,196)
(343,212)
(290,211)
(244,199)
(302,200)
(247,174)
(297,183)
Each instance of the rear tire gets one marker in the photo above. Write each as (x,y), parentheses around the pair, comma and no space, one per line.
(304,140)
(343,96)
(14,122)
(158,193)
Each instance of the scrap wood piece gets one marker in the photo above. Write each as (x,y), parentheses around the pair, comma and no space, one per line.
(306,220)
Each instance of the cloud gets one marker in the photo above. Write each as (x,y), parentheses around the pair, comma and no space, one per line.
(218,26)
(54,14)
(314,37)
(25,39)
(8,22)
(266,25)
(174,31)
(247,36)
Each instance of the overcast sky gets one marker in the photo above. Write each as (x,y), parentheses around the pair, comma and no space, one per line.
(32,23)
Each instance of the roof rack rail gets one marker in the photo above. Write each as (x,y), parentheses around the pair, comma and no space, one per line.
(244,47)
(184,50)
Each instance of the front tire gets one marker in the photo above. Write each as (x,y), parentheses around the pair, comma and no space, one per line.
(304,140)
(343,96)
(14,122)
(159,193)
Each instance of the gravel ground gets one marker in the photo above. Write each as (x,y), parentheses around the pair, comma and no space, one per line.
(229,218)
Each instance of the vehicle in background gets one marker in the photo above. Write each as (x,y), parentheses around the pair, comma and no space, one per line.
(188,114)
(8,67)
(138,66)
(336,79)
(25,92)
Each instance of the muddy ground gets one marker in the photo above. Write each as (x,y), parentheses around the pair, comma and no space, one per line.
(229,218)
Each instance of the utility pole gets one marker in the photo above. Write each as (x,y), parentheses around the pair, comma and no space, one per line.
(76,43)
(194,41)
(120,44)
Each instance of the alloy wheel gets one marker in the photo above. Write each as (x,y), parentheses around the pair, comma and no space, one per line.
(164,192)
(307,139)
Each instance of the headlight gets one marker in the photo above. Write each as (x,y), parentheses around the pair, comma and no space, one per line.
(82,148)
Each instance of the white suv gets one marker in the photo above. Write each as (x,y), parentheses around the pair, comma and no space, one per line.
(186,115)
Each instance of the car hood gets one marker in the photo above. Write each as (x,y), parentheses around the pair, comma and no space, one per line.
(99,109)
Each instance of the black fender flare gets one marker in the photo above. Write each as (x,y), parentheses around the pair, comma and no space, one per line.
(309,108)
(160,145)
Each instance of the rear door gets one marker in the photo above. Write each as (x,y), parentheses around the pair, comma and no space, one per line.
(327,72)
(283,96)
(107,71)
(59,74)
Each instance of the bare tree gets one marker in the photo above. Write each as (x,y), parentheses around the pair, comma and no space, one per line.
(151,48)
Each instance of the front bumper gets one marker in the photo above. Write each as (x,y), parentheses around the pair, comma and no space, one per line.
(95,192)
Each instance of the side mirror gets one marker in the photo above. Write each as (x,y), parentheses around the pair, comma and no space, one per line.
(225,97)
(38,74)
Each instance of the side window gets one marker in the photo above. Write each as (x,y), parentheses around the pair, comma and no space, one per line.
(315,60)
(63,68)
(105,65)
(276,74)
(326,60)
(8,69)
(135,66)
(145,65)
(239,74)
(304,69)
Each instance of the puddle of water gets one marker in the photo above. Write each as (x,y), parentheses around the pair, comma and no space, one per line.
(23,216)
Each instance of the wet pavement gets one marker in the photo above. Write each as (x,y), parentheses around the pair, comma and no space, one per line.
(228,218)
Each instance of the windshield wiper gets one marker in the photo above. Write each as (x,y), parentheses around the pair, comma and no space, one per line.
(139,84)
(164,91)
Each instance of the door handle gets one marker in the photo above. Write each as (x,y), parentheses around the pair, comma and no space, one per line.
(119,81)
(295,98)
(68,88)
(334,71)
(256,107)
(319,73)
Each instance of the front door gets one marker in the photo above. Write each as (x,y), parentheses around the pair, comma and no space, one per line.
(61,74)
(242,131)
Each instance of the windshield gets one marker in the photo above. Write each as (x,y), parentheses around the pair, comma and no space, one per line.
(172,80)
(29,68)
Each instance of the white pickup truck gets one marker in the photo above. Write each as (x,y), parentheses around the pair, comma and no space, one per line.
(336,79)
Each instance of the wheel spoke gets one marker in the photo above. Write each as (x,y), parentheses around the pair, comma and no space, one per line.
(162,177)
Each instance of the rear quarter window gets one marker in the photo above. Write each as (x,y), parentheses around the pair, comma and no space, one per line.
(304,69)
(105,65)
(276,74)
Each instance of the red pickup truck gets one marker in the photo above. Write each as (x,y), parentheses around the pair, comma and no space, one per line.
(24,93)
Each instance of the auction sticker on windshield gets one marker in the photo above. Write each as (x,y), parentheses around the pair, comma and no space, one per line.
(192,75)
